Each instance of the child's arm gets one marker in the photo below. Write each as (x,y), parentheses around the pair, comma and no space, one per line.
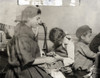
(43,60)
(87,52)
(66,60)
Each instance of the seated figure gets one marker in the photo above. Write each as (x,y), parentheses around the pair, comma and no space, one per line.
(63,48)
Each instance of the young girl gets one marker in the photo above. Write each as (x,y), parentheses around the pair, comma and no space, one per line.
(23,50)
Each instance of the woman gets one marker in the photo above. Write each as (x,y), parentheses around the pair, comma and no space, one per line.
(24,54)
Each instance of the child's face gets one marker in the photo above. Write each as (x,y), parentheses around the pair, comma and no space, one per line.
(66,39)
(87,38)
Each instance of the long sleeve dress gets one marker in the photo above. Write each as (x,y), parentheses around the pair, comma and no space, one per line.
(23,50)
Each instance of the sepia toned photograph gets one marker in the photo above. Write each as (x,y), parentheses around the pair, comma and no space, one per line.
(49,39)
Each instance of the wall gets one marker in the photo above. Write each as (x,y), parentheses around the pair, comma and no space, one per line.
(67,18)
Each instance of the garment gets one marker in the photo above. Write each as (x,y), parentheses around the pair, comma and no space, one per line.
(95,43)
(83,56)
(22,55)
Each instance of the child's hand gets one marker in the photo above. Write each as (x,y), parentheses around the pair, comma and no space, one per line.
(66,69)
(58,57)
(51,54)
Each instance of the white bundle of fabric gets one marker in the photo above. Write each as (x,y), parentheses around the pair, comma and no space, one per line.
(57,74)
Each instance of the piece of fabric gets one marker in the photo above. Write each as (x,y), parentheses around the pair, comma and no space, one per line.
(57,74)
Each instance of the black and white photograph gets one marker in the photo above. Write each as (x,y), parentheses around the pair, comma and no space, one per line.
(49,39)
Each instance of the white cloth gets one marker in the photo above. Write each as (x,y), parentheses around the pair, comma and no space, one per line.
(56,74)
(70,50)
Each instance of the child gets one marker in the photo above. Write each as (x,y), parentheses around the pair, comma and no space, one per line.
(63,48)
(83,55)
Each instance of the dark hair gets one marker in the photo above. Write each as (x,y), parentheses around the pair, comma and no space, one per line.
(82,31)
(56,35)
